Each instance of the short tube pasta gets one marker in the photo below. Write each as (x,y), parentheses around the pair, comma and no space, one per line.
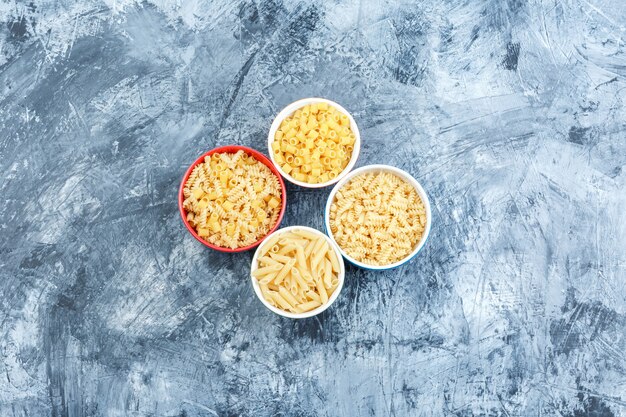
(312,132)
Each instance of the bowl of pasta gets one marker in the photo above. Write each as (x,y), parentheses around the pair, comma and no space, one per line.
(231,198)
(297,272)
(379,216)
(314,142)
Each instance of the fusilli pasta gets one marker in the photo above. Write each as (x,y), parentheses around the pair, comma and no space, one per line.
(232,200)
(377,218)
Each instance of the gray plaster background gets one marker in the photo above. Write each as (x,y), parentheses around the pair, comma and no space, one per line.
(510,113)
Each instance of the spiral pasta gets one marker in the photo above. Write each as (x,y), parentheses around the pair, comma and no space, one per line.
(377,218)
(232,200)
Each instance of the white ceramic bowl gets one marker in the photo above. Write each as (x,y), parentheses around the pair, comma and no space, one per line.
(314,312)
(287,111)
(405,176)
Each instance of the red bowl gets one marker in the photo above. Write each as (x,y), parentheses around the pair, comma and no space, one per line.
(232,149)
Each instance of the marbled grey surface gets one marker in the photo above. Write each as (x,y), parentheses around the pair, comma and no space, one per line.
(510,113)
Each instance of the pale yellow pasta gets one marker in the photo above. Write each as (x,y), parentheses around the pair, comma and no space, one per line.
(312,295)
(377,218)
(266,279)
(287,248)
(288,296)
(306,234)
(298,278)
(322,291)
(292,278)
(327,273)
(309,305)
(283,272)
(280,301)
(268,260)
(268,245)
(318,253)
(314,144)
(279,258)
(300,258)
(231,199)
(264,289)
(267,270)
(333,261)
(309,248)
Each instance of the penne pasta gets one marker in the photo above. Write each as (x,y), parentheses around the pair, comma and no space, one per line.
(266,270)
(300,242)
(266,279)
(297,274)
(309,305)
(280,258)
(306,234)
(301,282)
(300,258)
(322,291)
(319,252)
(300,297)
(293,287)
(319,243)
(267,260)
(287,296)
(286,249)
(283,272)
(332,256)
(267,245)
(327,273)
(312,295)
(280,301)
(306,275)
(309,248)
(264,290)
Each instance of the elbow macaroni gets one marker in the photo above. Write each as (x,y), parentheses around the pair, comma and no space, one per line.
(314,144)
(377,218)
(232,200)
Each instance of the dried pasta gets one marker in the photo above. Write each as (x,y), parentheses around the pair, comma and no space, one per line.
(314,144)
(377,218)
(232,200)
(297,270)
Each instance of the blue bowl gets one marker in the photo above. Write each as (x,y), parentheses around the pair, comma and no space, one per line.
(405,176)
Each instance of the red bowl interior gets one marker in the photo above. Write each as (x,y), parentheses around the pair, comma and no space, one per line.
(232,149)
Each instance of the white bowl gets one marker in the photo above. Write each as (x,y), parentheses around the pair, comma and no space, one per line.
(405,176)
(314,312)
(287,111)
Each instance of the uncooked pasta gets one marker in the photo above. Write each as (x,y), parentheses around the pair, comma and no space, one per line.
(314,144)
(298,270)
(232,200)
(377,218)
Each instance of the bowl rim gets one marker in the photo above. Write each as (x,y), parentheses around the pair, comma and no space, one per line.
(292,107)
(231,149)
(402,174)
(307,314)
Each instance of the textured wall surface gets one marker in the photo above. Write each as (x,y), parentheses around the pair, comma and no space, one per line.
(510,113)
